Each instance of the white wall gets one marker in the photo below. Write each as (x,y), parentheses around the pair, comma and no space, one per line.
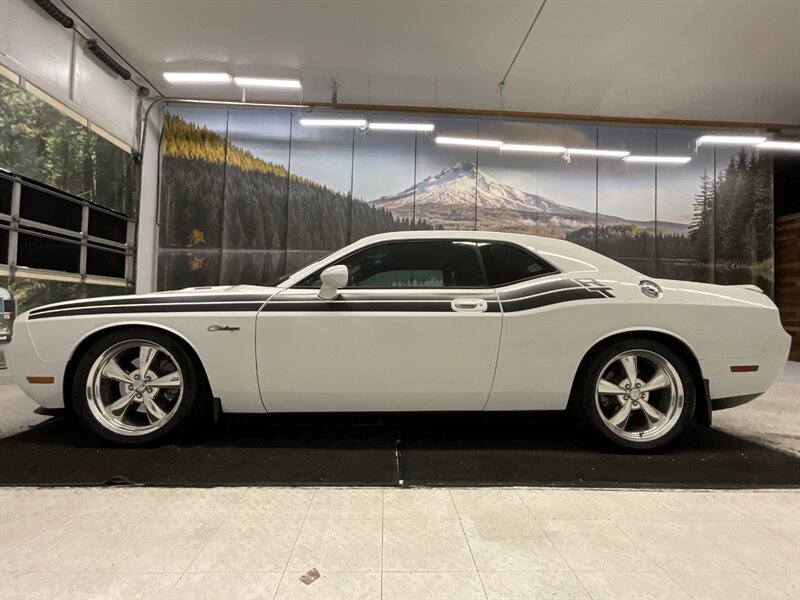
(55,60)
(147,235)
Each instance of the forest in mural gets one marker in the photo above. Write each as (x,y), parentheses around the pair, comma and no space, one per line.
(241,208)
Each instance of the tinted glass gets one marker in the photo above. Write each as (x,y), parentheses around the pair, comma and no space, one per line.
(5,195)
(506,264)
(42,207)
(108,226)
(108,264)
(4,246)
(39,252)
(412,265)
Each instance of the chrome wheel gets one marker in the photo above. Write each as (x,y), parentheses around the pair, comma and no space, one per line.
(639,395)
(134,387)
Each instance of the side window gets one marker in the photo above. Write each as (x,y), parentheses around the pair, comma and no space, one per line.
(412,265)
(506,264)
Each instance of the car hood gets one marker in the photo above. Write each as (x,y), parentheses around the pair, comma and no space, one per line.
(228,292)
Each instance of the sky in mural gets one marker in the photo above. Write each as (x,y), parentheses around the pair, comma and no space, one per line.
(383,163)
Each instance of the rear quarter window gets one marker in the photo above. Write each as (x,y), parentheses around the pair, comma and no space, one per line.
(507,264)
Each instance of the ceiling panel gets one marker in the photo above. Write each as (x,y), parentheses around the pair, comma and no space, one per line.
(706,59)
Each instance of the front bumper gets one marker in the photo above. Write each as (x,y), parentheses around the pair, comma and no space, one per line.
(24,362)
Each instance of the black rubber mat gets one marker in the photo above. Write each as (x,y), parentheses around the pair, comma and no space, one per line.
(424,450)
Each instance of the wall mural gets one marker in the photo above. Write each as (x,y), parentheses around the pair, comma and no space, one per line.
(249,194)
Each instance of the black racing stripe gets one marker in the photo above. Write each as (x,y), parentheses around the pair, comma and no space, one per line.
(396,296)
(367,306)
(196,299)
(166,308)
(344,306)
(555,297)
(537,288)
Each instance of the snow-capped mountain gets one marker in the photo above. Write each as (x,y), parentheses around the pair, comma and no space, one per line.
(456,185)
(444,199)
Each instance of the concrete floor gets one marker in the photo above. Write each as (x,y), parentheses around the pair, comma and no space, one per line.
(420,543)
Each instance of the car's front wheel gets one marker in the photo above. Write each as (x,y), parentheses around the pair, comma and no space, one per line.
(135,386)
(638,393)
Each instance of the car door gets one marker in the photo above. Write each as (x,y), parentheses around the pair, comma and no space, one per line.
(416,328)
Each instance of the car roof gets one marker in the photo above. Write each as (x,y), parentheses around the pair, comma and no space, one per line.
(566,256)
(519,238)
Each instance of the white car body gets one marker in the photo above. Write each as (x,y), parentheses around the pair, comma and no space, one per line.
(516,347)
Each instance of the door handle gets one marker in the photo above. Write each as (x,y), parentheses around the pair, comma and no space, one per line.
(469,305)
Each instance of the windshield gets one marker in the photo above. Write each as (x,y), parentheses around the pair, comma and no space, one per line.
(285,276)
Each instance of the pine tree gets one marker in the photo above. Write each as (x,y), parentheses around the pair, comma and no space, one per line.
(701,229)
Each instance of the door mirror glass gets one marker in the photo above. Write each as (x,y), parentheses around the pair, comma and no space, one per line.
(333,278)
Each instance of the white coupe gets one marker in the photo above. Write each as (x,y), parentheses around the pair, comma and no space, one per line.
(412,321)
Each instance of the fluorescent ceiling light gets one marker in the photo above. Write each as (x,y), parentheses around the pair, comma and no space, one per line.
(779,145)
(175,77)
(265,82)
(597,152)
(676,160)
(333,122)
(402,126)
(731,139)
(532,148)
(454,141)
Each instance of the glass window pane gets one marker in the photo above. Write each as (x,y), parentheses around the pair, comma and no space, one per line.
(37,205)
(39,252)
(411,265)
(4,246)
(108,226)
(5,195)
(505,264)
(106,264)
(415,264)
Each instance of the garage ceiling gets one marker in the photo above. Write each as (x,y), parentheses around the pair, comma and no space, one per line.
(704,59)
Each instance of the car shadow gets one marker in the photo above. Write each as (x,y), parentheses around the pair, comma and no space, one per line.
(458,449)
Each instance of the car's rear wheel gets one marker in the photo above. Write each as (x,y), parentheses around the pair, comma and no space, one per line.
(637,393)
(136,386)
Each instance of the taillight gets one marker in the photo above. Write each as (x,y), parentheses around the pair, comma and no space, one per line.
(7,313)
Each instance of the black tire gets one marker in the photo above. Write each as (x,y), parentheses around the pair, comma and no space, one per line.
(193,397)
(589,408)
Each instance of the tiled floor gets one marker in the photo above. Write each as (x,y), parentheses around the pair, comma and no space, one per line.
(398,543)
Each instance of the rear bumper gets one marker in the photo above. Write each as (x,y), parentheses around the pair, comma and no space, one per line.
(728,388)
(723,403)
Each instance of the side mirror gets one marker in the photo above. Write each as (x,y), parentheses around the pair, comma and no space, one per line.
(333,278)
